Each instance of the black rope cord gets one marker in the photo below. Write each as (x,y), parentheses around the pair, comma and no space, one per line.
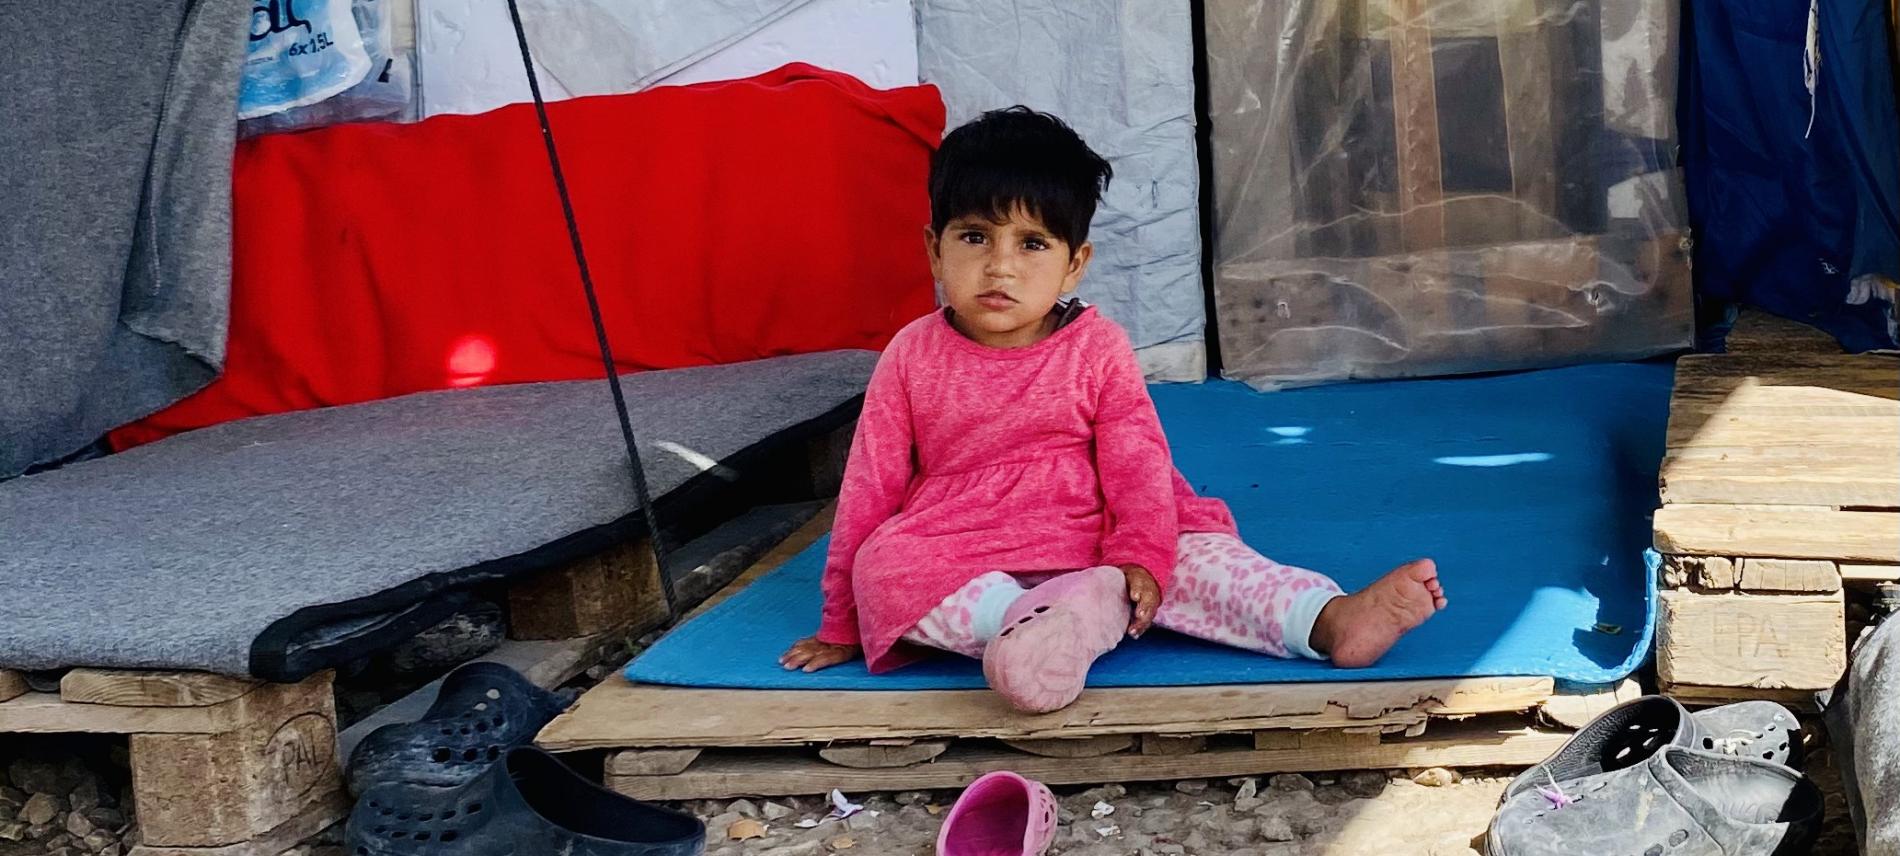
(640,492)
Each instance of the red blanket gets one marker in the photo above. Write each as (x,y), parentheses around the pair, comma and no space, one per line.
(723,222)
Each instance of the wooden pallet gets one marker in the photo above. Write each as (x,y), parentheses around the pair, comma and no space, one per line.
(223,766)
(717,774)
(676,743)
(226,766)
(1781,495)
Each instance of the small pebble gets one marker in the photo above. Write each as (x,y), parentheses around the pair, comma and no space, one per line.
(744,807)
(1436,777)
(1290,782)
(1275,828)
(745,829)
(79,826)
(40,809)
(774,811)
(1191,787)
(15,831)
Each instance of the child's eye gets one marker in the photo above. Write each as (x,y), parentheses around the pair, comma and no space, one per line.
(1036,244)
(971,237)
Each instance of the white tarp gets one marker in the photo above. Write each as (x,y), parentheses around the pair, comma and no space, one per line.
(471,62)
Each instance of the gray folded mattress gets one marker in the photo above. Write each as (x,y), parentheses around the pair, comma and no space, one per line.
(280,545)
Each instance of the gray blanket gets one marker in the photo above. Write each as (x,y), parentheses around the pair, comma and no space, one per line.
(115,217)
(228,548)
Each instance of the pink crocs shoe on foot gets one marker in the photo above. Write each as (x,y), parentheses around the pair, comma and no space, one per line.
(1000,814)
(1052,634)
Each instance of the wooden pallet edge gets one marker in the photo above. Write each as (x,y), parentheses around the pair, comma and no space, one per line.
(12,685)
(619,715)
(1869,537)
(1475,743)
(49,713)
(127,688)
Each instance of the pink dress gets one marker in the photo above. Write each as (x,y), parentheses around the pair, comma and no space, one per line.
(970,459)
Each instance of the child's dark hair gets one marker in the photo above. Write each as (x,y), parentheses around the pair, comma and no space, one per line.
(1018,157)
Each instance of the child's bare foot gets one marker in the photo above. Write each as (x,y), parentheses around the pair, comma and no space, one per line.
(1356,630)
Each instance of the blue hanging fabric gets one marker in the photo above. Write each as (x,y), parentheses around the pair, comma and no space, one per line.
(1791,154)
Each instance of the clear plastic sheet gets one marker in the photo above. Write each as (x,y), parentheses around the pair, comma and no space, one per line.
(1406,188)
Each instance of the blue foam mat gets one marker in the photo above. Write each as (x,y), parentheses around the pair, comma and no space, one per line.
(1533,491)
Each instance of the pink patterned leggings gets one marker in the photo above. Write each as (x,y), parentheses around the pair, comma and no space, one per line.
(1223,591)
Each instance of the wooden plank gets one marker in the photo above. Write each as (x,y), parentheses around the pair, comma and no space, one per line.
(1577,708)
(1083,747)
(47,713)
(1853,536)
(617,587)
(1756,331)
(620,715)
(1865,573)
(1711,572)
(1167,744)
(151,689)
(314,818)
(1524,61)
(650,762)
(1699,696)
(1796,641)
(767,774)
(1783,475)
(209,790)
(869,756)
(1415,115)
(12,685)
(1816,575)
(1317,738)
(1876,375)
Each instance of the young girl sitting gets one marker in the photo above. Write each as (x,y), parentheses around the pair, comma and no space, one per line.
(1009,494)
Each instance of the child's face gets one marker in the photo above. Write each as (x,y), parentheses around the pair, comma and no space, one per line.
(1001,279)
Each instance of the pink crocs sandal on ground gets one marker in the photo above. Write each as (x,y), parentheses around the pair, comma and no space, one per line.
(1000,814)
(1052,634)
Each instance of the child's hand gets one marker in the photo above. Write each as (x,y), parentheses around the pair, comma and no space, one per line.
(1145,594)
(812,655)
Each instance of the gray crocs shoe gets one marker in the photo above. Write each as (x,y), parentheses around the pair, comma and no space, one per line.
(1682,802)
(1634,731)
(1751,729)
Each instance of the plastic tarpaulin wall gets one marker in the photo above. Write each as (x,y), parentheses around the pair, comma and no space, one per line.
(1121,74)
(1407,188)
(470,62)
(1795,195)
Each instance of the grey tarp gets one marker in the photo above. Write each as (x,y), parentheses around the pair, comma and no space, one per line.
(1122,74)
(117,122)
(1863,724)
(242,547)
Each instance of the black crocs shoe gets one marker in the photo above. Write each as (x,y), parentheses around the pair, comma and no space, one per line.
(527,804)
(1681,802)
(483,710)
(1634,731)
